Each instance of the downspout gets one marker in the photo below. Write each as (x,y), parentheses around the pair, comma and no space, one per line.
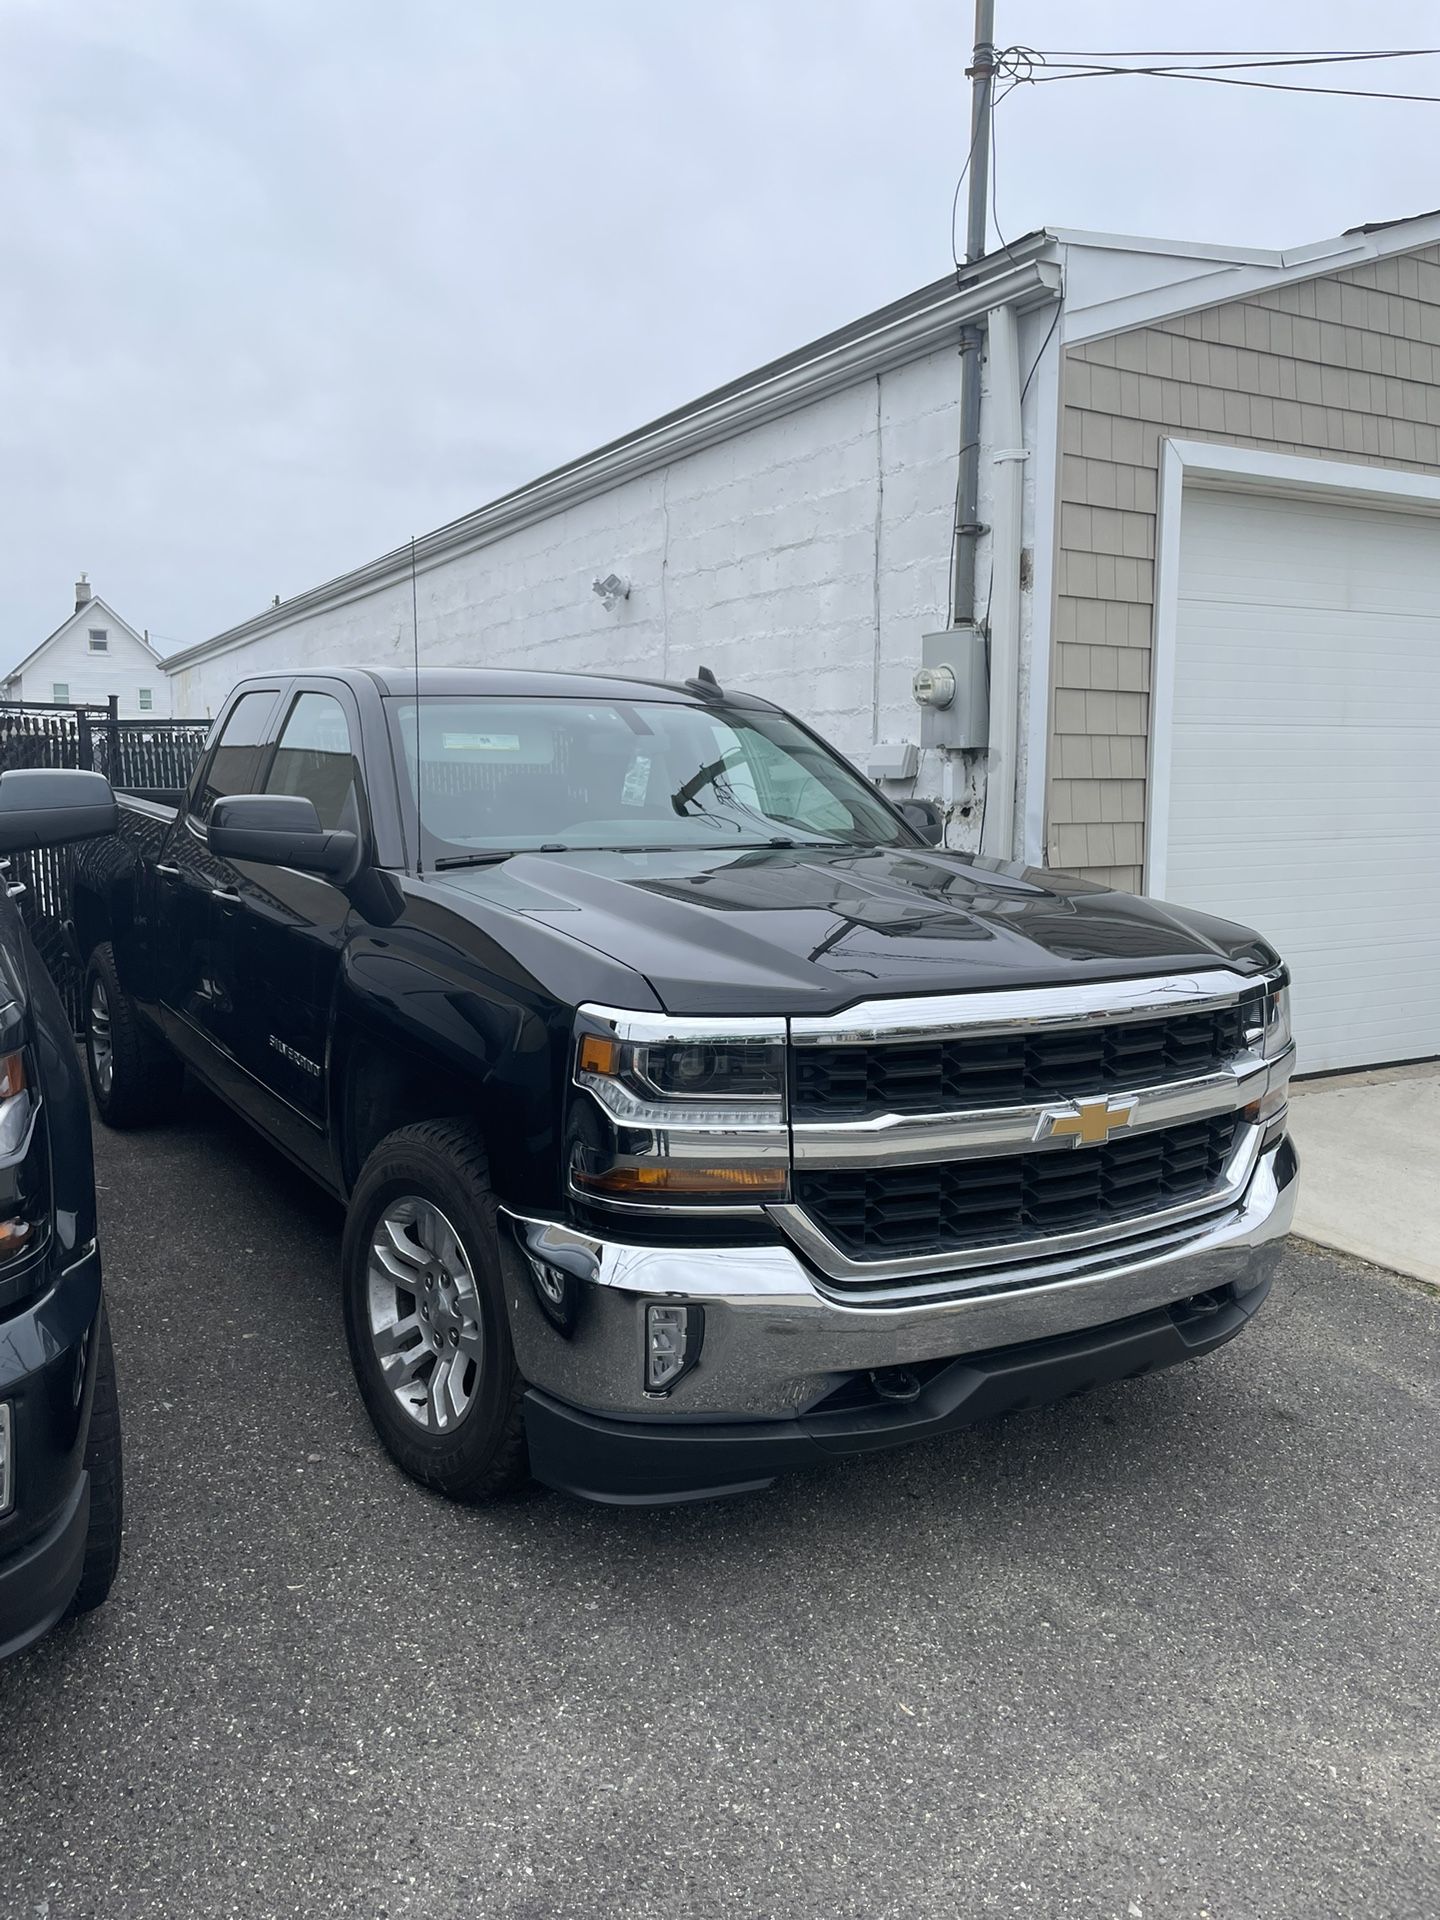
(1002,620)
(967,515)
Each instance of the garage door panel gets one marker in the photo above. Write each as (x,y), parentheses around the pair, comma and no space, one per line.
(1346,675)
(1304,757)
(1348,558)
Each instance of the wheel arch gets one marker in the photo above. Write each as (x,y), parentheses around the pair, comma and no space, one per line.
(381,1087)
(90,920)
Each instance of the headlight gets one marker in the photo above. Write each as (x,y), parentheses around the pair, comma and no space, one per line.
(24,1179)
(1277,1022)
(15,1104)
(681,1111)
(1270,1037)
(16,1113)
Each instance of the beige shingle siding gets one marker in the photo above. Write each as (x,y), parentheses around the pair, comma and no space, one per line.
(1346,367)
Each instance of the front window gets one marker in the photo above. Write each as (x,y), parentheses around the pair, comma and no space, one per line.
(99,640)
(315,759)
(516,775)
(232,766)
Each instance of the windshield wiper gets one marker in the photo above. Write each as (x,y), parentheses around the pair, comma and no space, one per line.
(491,856)
(708,846)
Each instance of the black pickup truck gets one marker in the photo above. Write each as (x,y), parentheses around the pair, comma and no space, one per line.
(61,1479)
(695,1117)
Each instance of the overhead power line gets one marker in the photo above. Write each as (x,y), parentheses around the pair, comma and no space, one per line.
(1233,80)
(1216,66)
(1057,66)
(1241,55)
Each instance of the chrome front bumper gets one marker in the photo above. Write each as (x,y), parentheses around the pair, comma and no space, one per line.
(778,1338)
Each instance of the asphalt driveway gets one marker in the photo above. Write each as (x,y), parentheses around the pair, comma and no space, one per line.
(1170,1650)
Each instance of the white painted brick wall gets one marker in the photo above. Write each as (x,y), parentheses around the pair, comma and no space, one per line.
(802,560)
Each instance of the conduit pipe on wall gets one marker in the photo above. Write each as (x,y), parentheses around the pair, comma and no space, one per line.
(1003,594)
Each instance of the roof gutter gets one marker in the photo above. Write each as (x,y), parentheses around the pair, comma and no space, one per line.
(1023,276)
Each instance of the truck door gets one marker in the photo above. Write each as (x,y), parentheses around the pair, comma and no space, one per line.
(187,875)
(285,931)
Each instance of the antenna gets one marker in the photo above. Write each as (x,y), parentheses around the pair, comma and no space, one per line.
(415,638)
(705,685)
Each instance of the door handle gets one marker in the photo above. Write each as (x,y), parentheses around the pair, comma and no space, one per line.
(225,896)
(170,873)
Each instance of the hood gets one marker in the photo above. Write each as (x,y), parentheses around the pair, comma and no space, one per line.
(808,930)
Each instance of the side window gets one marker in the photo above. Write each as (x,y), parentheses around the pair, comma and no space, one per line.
(231,768)
(315,759)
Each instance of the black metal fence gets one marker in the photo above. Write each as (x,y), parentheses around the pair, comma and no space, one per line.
(151,758)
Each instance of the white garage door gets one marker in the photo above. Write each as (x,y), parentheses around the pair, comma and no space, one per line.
(1305,757)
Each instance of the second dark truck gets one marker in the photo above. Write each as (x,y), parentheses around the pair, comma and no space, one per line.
(694,1116)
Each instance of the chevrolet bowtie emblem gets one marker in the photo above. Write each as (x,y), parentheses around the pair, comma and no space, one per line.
(1089,1123)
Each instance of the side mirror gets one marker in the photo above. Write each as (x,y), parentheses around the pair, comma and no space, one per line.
(925,818)
(48,806)
(279,830)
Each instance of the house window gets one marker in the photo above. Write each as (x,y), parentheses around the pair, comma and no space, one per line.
(61,691)
(99,640)
(146,700)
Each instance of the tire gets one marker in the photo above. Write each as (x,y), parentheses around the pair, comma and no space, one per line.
(429,1287)
(142,1084)
(105,1465)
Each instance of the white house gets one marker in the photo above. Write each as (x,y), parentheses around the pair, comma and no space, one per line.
(90,655)
(1206,556)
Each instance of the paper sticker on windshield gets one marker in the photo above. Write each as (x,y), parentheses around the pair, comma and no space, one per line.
(481,742)
(637,782)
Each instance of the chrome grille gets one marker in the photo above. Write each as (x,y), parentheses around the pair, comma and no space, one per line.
(960,1132)
(874,1213)
(967,1072)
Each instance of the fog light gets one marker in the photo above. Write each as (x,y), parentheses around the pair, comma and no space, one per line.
(7,1457)
(672,1344)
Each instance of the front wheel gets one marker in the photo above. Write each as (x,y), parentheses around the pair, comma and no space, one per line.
(425,1313)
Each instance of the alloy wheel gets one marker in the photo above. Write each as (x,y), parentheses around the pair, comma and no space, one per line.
(424,1313)
(102,1046)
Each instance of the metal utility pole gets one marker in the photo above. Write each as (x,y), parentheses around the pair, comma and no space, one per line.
(981,73)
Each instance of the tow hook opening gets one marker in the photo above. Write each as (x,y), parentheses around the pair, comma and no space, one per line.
(897,1384)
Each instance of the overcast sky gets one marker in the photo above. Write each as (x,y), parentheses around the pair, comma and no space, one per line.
(284,281)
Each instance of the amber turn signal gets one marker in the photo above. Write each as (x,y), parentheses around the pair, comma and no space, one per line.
(679,1178)
(599,1053)
(12,1075)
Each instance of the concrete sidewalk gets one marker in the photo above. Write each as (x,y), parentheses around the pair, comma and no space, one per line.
(1370,1166)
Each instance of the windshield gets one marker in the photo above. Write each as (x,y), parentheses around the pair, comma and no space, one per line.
(514,775)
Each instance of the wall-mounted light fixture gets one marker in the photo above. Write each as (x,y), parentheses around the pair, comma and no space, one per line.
(612,589)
